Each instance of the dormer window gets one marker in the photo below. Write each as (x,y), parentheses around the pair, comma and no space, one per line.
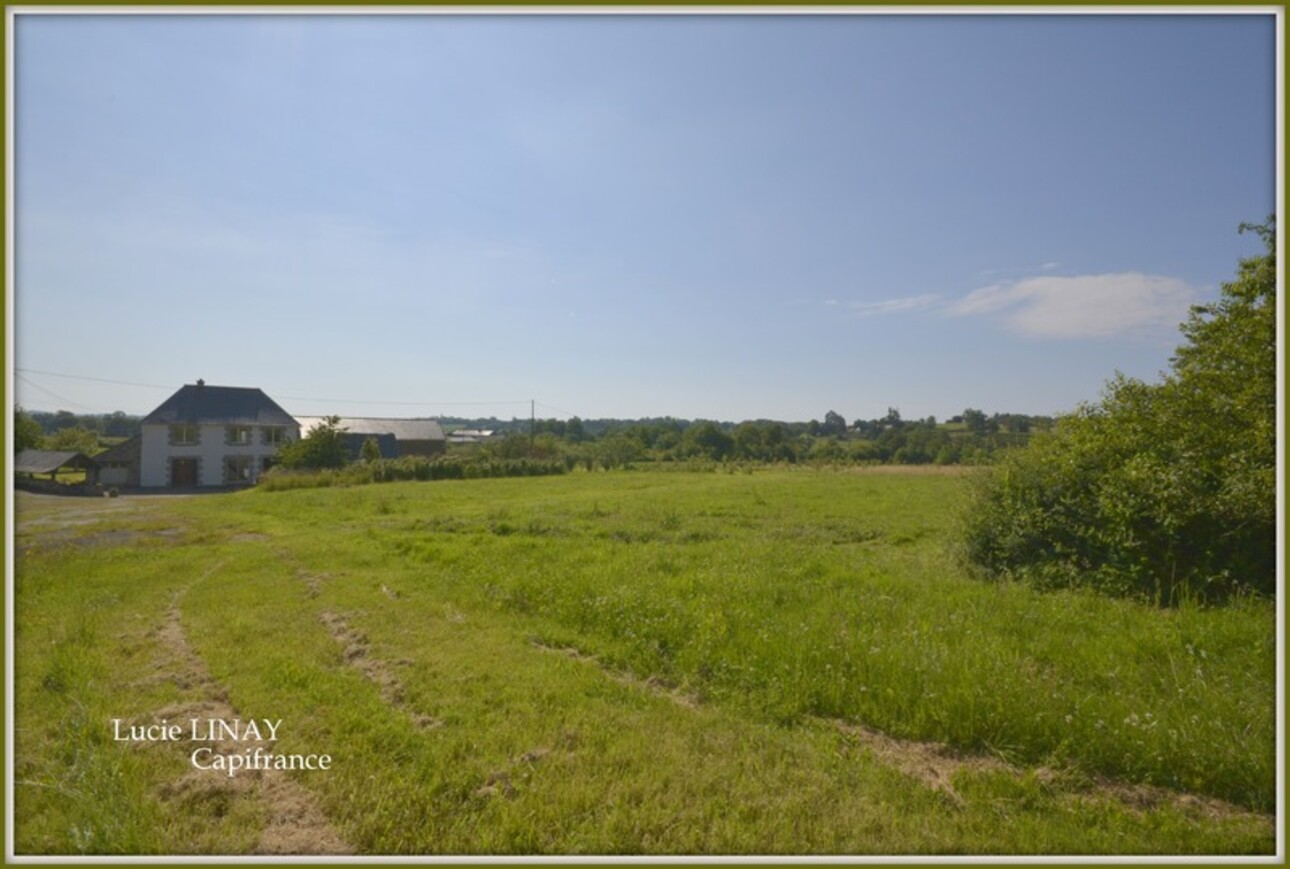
(238,435)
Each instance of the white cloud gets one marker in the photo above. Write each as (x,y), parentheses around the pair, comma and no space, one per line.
(1088,306)
(891,306)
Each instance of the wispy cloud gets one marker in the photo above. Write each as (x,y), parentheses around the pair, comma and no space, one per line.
(886,306)
(1016,271)
(1088,306)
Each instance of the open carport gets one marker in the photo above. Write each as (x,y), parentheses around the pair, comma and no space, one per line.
(39,469)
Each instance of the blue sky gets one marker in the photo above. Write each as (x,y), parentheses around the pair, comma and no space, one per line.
(704,216)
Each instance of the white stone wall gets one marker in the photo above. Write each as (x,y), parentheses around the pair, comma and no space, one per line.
(154,449)
(211,450)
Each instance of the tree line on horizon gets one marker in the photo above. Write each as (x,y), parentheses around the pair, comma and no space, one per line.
(969,438)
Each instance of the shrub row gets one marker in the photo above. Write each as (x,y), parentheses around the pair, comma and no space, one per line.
(410,468)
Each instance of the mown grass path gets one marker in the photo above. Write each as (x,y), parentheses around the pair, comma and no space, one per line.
(779,662)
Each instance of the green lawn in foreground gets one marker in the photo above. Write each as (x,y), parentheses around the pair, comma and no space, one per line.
(628,662)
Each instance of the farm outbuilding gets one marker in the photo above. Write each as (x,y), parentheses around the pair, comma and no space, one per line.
(470,436)
(47,466)
(410,437)
(386,443)
(119,466)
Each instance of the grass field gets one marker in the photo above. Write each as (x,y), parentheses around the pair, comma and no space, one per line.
(775,662)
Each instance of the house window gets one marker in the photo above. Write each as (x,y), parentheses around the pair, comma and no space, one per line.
(184,435)
(273,435)
(237,469)
(267,462)
(238,435)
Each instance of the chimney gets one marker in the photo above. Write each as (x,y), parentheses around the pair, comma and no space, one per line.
(201,382)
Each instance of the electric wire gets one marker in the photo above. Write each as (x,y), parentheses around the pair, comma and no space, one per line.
(365,401)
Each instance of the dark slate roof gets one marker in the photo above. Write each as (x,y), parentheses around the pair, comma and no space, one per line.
(48,461)
(195,404)
(126,451)
(402,429)
(386,443)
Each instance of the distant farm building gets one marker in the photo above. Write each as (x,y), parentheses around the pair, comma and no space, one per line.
(469,436)
(49,469)
(402,437)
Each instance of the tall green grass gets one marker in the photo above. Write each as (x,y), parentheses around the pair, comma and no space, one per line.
(798,594)
(836,595)
(778,600)
(87,651)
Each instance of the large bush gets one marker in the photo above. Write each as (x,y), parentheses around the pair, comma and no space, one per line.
(1166,490)
(322,447)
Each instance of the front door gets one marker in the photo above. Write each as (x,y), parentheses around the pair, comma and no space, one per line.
(183,473)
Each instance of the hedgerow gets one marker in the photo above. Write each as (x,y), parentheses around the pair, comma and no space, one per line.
(409,468)
(1167,490)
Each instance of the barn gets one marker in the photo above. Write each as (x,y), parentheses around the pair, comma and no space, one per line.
(406,437)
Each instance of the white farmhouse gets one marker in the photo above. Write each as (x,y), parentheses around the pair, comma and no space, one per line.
(212,436)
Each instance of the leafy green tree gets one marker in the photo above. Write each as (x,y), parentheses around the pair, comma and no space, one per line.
(371,451)
(974,420)
(118,425)
(826,450)
(1165,490)
(749,441)
(1226,381)
(74,439)
(617,450)
(322,447)
(64,419)
(27,433)
(834,424)
(708,440)
(574,430)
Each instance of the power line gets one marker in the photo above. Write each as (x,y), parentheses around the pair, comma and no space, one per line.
(283,397)
(83,377)
(557,410)
(402,403)
(55,395)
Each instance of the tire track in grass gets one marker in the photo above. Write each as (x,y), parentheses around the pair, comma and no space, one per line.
(356,650)
(295,823)
(932,764)
(651,685)
(936,765)
(313,581)
(355,646)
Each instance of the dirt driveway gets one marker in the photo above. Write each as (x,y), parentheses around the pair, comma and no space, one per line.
(51,520)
